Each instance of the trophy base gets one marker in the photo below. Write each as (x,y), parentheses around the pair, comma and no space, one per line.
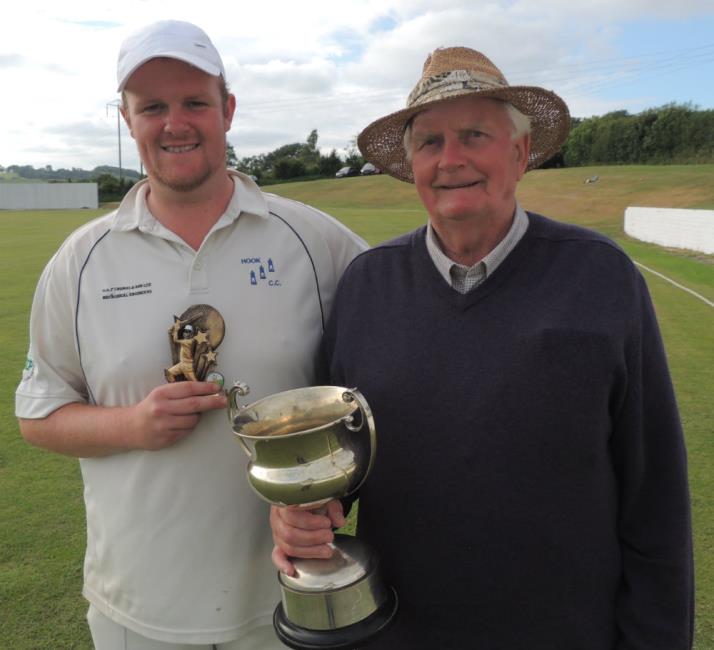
(344,638)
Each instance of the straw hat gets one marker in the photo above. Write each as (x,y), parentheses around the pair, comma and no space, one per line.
(451,73)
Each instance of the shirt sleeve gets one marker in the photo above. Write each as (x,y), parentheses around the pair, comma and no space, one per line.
(53,375)
(655,603)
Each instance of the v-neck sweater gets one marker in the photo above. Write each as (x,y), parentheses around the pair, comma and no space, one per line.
(529,489)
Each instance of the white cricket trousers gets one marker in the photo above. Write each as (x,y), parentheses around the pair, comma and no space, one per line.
(108,635)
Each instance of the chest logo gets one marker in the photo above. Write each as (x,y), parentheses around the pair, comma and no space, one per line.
(262,272)
(127,291)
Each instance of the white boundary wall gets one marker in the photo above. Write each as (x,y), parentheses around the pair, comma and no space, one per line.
(48,196)
(676,228)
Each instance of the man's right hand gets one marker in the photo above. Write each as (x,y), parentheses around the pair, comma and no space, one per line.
(171,411)
(302,533)
(166,415)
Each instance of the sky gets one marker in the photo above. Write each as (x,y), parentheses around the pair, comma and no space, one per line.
(336,66)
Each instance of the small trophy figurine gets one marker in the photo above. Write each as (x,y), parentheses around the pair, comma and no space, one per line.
(193,338)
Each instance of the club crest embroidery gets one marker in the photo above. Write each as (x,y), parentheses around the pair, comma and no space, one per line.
(262,271)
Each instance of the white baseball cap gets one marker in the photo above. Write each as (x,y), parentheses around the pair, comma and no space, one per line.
(173,39)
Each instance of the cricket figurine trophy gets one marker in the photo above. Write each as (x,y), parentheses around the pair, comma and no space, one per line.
(194,337)
(307,446)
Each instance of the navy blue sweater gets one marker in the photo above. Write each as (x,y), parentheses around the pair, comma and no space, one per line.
(530,487)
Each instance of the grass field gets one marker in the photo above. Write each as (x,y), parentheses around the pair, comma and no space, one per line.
(41,511)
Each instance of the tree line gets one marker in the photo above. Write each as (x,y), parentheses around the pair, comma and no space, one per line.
(670,134)
(112,183)
(75,174)
(301,160)
(297,160)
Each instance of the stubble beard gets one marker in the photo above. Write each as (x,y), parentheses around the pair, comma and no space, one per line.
(182,184)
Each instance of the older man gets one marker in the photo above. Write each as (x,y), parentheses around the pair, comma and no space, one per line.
(530,486)
(177,545)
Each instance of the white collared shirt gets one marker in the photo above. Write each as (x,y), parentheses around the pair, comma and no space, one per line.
(464,278)
(178,546)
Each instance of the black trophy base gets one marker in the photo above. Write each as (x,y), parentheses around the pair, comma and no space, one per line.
(352,636)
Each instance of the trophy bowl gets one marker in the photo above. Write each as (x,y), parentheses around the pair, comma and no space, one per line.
(306,447)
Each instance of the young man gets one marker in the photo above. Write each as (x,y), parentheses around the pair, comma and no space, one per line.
(178,550)
(530,485)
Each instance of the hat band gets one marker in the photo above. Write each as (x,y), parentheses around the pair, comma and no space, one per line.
(452,83)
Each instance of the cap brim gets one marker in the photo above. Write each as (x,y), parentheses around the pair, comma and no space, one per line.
(196,62)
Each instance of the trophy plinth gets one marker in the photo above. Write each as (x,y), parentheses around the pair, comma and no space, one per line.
(307,446)
(339,603)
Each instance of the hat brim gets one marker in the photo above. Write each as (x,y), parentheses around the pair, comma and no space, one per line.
(382,142)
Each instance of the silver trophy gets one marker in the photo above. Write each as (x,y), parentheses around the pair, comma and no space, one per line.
(306,447)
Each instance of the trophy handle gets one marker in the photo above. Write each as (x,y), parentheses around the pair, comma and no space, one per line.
(353,395)
(239,389)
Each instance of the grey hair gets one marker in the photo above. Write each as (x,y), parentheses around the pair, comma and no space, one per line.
(521,126)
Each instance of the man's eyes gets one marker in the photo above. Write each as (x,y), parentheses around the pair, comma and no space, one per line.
(427,141)
(473,134)
(193,104)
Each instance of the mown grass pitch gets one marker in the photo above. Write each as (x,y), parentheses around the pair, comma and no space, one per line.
(41,510)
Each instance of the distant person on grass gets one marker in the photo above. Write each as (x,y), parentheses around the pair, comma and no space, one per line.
(178,547)
(530,485)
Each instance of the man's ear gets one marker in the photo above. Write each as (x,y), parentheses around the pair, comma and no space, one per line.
(125,114)
(229,110)
(523,149)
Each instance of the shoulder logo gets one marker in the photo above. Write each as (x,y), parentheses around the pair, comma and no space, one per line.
(29,368)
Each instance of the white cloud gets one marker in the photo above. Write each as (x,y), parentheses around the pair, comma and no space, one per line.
(298,66)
